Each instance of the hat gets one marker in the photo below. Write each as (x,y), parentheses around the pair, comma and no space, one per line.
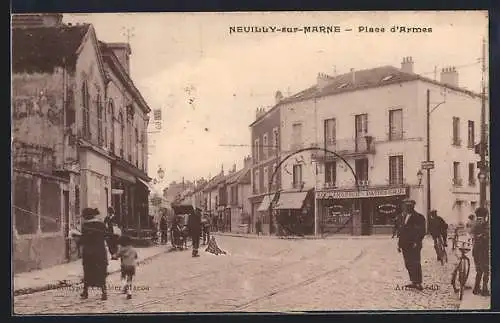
(89,213)
(481,212)
(408,201)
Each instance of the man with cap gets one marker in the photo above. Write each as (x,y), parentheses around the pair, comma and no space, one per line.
(481,251)
(411,234)
(194,225)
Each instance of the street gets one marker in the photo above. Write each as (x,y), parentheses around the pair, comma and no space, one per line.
(267,274)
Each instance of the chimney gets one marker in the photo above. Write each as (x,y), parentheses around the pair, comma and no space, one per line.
(353,76)
(321,80)
(247,161)
(122,52)
(234,167)
(407,64)
(449,76)
(36,20)
(278,96)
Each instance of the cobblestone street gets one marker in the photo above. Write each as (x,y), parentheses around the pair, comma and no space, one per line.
(267,275)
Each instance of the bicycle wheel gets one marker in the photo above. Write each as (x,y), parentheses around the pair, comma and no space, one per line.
(462,276)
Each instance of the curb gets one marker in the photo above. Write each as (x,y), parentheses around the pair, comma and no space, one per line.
(70,283)
(330,237)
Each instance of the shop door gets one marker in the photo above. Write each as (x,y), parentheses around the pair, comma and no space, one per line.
(66,225)
(366,217)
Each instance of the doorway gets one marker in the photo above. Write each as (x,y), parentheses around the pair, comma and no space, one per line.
(67,237)
(366,217)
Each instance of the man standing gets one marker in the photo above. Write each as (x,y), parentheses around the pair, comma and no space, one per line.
(411,234)
(481,252)
(194,225)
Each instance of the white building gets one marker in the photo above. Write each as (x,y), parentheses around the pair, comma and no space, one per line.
(376,121)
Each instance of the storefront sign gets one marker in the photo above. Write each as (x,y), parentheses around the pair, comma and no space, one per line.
(387,208)
(337,214)
(362,193)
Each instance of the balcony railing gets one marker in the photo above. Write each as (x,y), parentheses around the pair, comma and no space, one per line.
(347,147)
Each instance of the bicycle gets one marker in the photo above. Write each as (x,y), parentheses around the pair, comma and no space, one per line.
(462,269)
(441,250)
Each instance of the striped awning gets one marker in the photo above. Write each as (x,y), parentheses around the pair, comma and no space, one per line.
(290,200)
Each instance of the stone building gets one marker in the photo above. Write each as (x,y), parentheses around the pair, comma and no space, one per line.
(61,154)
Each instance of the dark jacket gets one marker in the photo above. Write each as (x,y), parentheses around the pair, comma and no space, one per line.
(437,226)
(194,223)
(94,256)
(413,231)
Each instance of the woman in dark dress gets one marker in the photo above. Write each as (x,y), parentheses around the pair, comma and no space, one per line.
(94,256)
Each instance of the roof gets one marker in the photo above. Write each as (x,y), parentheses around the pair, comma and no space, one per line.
(215,181)
(240,177)
(107,52)
(41,49)
(364,79)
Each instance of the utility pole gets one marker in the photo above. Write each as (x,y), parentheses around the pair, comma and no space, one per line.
(428,155)
(483,169)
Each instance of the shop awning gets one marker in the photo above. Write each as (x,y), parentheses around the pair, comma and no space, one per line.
(264,206)
(290,200)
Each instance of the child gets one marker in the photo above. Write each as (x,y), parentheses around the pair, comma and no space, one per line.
(128,257)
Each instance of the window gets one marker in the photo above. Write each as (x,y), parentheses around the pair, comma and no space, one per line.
(329,131)
(100,128)
(50,206)
(265,146)
(275,177)
(256,150)
(256,181)
(130,138)
(85,111)
(470,135)
(472,177)
(234,195)
(330,173)
(266,179)
(136,147)
(456,174)
(297,176)
(396,124)
(77,200)
(276,138)
(296,136)
(361,125)
(456,131)
(111,110)
(122,133)
(25,206)
(395,170)
(361,169)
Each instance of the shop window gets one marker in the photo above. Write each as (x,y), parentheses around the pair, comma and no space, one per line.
(25,206)
(50,206)
(386,212)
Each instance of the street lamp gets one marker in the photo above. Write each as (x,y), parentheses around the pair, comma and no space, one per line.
(420,175)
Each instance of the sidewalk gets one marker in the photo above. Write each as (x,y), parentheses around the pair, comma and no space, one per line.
(69,274)
(471,301)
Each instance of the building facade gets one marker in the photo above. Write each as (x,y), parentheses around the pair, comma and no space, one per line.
(367,134)
(238,185)
(265,143)
(61,159)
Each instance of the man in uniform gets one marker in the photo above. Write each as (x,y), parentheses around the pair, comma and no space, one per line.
(194,225)
(411,234)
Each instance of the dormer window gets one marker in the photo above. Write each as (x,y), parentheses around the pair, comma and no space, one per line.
(388,77)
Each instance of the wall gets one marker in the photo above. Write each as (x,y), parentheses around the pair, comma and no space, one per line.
(37,117)
(443,153)
(95,178)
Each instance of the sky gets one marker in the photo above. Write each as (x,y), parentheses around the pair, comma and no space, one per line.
(208,82)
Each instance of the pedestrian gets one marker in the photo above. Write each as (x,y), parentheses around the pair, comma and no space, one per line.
(112,231)
(481,251)
(205,221)
(438,228)
(128,257)
(213,247)
(411,234)
(194,227)
(470,224)
(258,225)
(396,225)
(164,228)
(94,255)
